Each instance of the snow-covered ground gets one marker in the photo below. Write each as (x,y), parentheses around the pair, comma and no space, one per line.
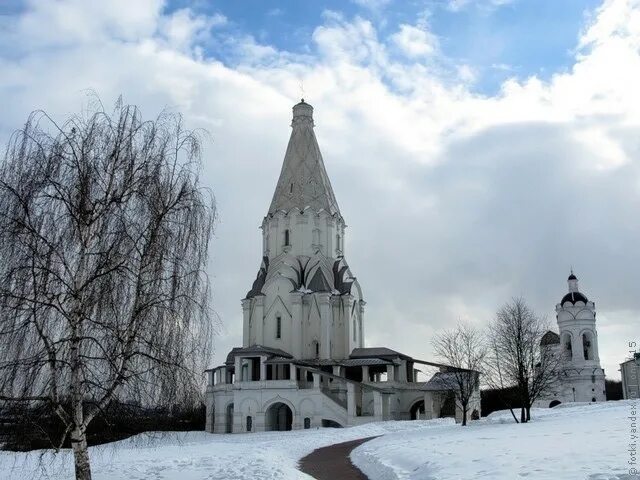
(582,441)
(199,455)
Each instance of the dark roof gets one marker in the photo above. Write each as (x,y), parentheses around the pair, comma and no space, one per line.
(318,283)
(340,269)
(359,362)
(258,283)
(376,352)
(341,280)
(320,362)
(550,338)
(572,277)
(277,359)
(573,297)
(255,350)
(442,381)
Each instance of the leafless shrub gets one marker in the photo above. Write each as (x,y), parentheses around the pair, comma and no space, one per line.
(463,348)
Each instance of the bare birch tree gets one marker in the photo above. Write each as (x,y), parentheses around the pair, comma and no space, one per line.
(516,358)
(463,349)
(104,233)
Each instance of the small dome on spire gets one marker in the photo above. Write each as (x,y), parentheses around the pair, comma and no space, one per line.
(574,294)
(302,109)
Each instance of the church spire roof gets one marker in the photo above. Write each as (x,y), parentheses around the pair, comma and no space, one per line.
(303,179)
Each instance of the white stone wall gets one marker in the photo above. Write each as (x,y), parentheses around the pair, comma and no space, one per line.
(309,232)
(306,319)
(630,379)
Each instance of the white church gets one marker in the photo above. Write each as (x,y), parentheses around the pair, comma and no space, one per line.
(303,362)
(580,378)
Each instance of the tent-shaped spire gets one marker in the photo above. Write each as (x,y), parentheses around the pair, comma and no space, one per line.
(303,179)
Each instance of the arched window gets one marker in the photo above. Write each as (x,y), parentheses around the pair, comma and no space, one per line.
(307,423)
(286,238)
(317,347)
(587,346)
(249,423)
(566,346)
(229,419)
(337,241)
(278,327)
(355,326)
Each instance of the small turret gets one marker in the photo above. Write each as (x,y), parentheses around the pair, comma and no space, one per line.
(574,296)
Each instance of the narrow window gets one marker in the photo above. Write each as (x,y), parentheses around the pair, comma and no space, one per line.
(567,347)
(317,349)
(278,327)
(249,423)
(354,329)
(337,241)
(291,188)
(586,346)
(286,238)
(307,423)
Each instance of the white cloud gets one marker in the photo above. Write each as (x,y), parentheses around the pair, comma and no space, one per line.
(414,41)
(468,198)
(372,4)
(183,28)
(459,5)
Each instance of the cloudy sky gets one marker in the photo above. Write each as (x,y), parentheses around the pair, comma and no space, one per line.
(478,148)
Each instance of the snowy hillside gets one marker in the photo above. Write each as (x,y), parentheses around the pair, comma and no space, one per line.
(584,441)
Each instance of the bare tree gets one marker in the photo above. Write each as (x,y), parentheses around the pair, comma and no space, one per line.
(464,350)
(516,358)
(104,233)
(495,378)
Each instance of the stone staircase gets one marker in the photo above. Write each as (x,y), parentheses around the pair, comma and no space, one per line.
(336,406)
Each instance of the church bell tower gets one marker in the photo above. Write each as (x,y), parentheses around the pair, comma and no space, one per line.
(581,375)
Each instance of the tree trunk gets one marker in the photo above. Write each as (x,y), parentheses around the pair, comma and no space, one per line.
(464,416)
(79,433)
(523,416)
(81,454)
(528,413)
(513,415)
